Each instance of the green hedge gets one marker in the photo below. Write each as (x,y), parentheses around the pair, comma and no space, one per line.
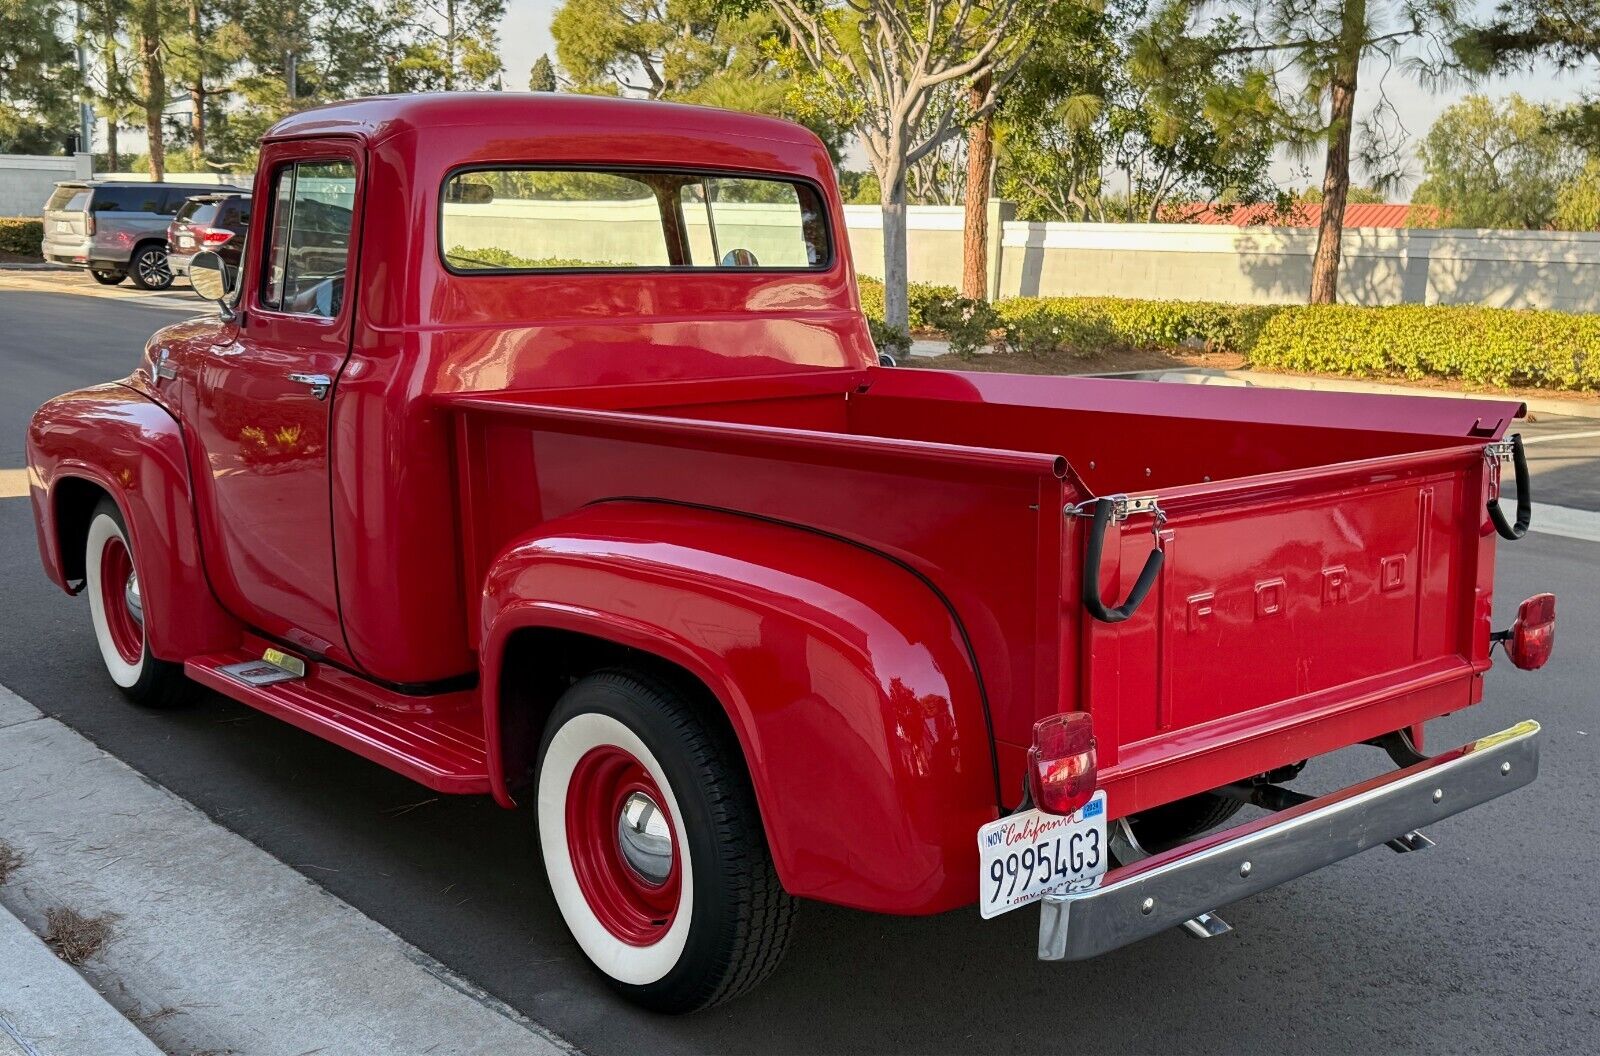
(1480,346)
(21,234)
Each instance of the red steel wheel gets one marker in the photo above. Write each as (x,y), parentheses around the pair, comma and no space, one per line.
(624,846)
(119,597)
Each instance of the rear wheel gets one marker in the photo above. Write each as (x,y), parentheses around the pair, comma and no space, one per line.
(116,608)
(1174,823)
(149,267)
(654,848)
(106,277)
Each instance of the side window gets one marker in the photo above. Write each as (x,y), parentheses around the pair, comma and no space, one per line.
(145,199)
(174,201)
(313,205)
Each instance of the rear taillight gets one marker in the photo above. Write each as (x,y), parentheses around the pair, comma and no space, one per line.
(212,237)
(1533,636)
(88,224)
(1061,764)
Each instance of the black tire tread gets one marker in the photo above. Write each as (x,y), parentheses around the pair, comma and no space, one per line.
(1170,824)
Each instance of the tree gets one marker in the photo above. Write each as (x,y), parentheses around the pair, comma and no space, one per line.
(1323,44)
(1494,166)
(152,21)
(109,80)
(1129,111)
(456,42)
(37,78)
(1565,33)
(542,76)
(893,71)
(711,52)
(1578,204)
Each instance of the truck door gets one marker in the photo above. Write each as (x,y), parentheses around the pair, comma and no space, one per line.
(264,400)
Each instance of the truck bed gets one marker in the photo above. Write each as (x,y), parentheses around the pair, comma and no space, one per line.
(1327,574)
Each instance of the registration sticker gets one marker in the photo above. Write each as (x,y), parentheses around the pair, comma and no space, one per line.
(1024,856)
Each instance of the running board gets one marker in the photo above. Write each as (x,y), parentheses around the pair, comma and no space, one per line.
(434,740)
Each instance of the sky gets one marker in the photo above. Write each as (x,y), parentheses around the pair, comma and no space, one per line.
(525,35)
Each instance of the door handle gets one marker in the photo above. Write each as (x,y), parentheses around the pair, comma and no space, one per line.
(319,383)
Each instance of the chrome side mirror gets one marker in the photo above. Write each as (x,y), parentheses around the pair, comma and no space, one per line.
(210,278)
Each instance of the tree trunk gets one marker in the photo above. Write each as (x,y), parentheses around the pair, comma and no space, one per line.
(896,305)
(155,86)
(197,90)
(450,45)
(975,229)
(111,144)
(1336,172)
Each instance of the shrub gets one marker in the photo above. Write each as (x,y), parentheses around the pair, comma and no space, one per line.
(1128,323)
(890,339)
(921,296)
(21,235)
(967,323)
(1481,346)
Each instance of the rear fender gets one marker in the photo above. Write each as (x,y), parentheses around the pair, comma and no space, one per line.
(843,675)
(111,439)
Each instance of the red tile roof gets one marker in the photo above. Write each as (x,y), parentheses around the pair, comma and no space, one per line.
(1301,214)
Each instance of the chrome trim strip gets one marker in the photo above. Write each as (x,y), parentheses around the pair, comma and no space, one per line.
(1138,900)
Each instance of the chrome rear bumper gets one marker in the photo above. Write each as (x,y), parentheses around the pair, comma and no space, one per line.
(1138,900)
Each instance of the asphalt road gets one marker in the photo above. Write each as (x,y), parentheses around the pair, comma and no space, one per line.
(1486,943)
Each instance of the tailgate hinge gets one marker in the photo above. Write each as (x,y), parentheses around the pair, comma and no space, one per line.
(1499,451)
(1122,507)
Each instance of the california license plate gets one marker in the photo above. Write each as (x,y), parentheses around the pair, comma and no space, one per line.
(1024,856)
(186,241)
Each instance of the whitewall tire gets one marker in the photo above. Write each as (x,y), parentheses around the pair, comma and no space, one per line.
(116,611)
(653,844)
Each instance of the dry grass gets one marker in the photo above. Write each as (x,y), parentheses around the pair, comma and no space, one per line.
(10,861)
(75,937)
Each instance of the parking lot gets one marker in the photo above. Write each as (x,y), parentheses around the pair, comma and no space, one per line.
(1483,944)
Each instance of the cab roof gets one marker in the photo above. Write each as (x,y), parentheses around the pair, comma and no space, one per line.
(525,114)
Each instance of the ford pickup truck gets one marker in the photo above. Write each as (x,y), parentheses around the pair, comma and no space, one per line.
(539,449)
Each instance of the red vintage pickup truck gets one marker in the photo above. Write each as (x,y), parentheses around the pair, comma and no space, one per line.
(540,450)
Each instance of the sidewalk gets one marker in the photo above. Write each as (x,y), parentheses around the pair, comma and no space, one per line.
(216,945)
(48,1009)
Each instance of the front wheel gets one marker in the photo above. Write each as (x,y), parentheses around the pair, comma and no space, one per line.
(149,268)
(654,848)
(116,608)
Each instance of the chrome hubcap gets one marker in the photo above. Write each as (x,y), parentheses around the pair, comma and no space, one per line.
(645,839)
(132,598)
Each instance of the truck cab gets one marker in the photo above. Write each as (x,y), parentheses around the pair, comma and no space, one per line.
(538,448)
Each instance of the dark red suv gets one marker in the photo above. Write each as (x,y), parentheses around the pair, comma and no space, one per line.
(218,222)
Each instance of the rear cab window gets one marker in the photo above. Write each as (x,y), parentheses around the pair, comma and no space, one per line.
(529,220)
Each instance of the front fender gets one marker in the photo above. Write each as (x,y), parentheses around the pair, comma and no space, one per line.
(844,676)
(119,441)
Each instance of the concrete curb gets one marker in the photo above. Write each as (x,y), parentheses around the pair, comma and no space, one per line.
(48,1009)
(217,945)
